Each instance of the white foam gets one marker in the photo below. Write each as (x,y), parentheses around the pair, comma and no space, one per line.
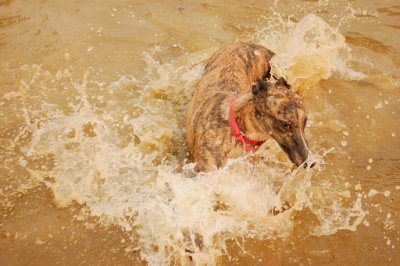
(144,185)
(308,52)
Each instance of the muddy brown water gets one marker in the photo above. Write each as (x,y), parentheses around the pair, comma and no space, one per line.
(93,156)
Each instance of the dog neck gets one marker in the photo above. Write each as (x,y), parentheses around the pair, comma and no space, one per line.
(243,122)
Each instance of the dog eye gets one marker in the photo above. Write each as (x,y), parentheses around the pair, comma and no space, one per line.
(287,126)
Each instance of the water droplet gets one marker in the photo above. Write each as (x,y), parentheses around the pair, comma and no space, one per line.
(39,242)
(378,105)
(372,192)
(366,223)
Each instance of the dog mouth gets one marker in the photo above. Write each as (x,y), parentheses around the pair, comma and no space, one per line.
(300,159)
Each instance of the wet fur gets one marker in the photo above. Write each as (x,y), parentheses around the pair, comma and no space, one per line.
(264,108)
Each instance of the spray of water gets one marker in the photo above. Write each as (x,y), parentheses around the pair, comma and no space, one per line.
(144,184)
(308,52)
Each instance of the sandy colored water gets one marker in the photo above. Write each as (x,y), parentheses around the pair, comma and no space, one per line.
(94,167)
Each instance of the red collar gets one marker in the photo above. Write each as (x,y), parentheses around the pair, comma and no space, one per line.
(249,144)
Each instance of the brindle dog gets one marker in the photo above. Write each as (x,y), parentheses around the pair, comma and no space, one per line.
(265,107)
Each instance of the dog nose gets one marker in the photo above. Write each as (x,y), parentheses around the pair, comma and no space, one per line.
(300,158)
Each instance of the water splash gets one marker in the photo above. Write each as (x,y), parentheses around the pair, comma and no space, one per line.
(308,52)
(124,160)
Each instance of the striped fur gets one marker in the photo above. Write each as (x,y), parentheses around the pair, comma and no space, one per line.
(264,109)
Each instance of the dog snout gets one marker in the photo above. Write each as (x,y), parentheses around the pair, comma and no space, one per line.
(299,151)
(299,160)
(297,154)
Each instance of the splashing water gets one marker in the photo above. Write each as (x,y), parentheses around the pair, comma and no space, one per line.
(143,183)
(308,52)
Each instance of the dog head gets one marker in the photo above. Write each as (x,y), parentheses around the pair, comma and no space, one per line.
(280,111)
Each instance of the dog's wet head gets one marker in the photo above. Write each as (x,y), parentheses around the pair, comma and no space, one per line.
(280,111)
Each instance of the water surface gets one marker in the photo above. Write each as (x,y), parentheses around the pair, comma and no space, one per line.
(94,165)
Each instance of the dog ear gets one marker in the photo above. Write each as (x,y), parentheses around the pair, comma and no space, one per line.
(267,75)
(283,82)
(254,89)
(259,86)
